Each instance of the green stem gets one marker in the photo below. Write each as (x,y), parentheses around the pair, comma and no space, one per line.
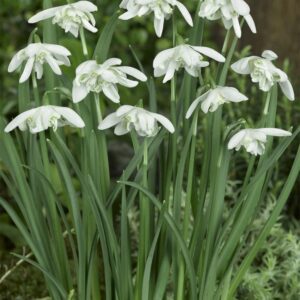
(83,43)
(144,234)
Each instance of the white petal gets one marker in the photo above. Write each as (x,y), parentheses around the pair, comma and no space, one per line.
(15,62)
(195,104)
(110,121)
(89,26)
(269,55)
(45,14)
(232,94)
(79,93)
(275,132)
(170,72)
(210,53)
(128,15)
(250,23)
(241,7)
(236,26)
(242,65)
(185,13)
(85,6)
(27,70)
(121,129)
(162,57)
(53,64)
(133,72)
(164,121)
(111,92)
(70,115)
(236,139)
(159,25)
(287,89)
(124,109)
(112,62)
(57,49)
(21,118)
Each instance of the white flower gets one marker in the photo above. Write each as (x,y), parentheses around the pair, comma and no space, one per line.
(229,11)
(183,56)
(36,55)
(129,117)
(70,17)
(41,118)
(254,139)
(263,71)
(213,98)
(162,9)
(93,77)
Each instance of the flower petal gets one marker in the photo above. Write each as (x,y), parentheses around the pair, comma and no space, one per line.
(210,53)
(110,121)
(274,132)
(121,129)
(111,92)
(21,118)
(185,13)
(45,14)
(241,7)
(236,139)
(242,65)
(250,23)
(162,57)
(236,26)
(133,72)
(232,94)
(85,6)
(159,25)
(287,89)
(15,62)
(269,55)
(124,109)
(195,104)
(53,64)
(79,92)
(70,115)
(164,121)
(27,70)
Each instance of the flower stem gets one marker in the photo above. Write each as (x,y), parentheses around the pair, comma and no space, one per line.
(83,43)
(144,234)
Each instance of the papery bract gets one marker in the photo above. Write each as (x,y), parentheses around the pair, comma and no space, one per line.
(94,77)
(213,98)
(229,11)
(35,55)
(70,17)
(129,117)
(263,71)
(168,61)
(162,9)
(253,140)
(41,118)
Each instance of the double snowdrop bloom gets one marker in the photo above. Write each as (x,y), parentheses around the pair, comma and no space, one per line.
(36,55)
(41,118)
(229,11)
(254,139)
(129,117)
(162,9)
(213,98)
(94,77)
(70,17)
(183,56)
(263,71)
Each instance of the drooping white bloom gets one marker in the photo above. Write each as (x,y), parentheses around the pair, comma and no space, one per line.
(129,117)
(94,77)
(162,9)
(35,55)
(254,139)
(41,118)
(229,11)
(213,98)
(263,71)
(70,17)
(183,56)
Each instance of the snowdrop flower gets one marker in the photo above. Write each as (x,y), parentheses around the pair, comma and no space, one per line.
(162,9)
(41,118)
(254,139)
(263,71)
(70,17)
(183,56)
(35,55)
(229,11)
(213,98)
(129,117)
(94,77)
